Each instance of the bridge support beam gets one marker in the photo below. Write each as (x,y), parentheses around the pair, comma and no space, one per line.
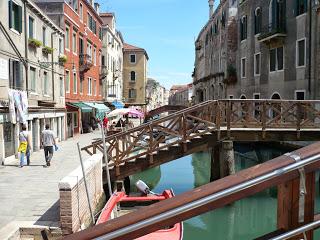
(289,207)
(222,160)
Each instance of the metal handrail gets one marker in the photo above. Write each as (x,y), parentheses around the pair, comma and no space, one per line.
(297,231)
(213,197)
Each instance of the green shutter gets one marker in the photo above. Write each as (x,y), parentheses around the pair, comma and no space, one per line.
(20,19)
(10,13)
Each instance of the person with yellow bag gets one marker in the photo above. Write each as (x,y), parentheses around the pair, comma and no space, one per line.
(24,146)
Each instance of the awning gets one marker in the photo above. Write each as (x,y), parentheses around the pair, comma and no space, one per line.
(84,108)
(117,104)
(101,109)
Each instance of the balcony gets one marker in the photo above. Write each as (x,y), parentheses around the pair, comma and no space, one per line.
(273,32)
(85,62)
(103,72)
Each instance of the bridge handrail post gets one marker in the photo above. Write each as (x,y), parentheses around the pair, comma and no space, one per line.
(299,118)
(117,162)
(218,119)
(150,151)
(229,105)
(264,118)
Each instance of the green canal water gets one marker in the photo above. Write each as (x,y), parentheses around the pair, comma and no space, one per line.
(245,219)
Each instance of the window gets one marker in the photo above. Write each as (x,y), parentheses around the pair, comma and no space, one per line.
(276,59)
(257,60)
(94,56)
(132,58)
(81,85)
(81,12)
(133,76)
(89,50)
(91,23)
(74,42)
(44,36)
(132,93)
(17,76)
(67,81)
(33,79)
(60,46)
(15,16)
(257,21)
(300,95)
(100,33)
(256,105)
(301,6)
(243,67)
(75,83)
(45,83)
(61,87)
(94,87)
(301,53)
(67,38)
(31,27)
(75,5)
(89,86)
(243,28)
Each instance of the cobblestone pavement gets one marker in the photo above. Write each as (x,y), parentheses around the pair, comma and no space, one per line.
(30,194)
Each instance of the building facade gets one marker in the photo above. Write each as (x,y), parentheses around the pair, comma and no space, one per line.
(112,60)
(82,25)
(156,94)
(216,49)
(135,62)
(182,95)
(32,79)
(274,57)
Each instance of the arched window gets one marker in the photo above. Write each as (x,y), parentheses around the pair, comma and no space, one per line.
(133,76)
(275,106)
(243,28)
(301,6)
(257,21)
(277,15)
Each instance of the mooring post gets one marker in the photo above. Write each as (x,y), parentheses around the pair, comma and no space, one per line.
(227,161)
(215,163)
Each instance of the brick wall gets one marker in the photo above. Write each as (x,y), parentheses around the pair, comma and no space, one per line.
(74,209)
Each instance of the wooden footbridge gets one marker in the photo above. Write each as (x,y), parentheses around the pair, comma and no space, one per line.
(203,126)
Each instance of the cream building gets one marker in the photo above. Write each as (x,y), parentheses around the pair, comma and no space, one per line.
(31,45)
(156,94)
(112,60)
(135,62)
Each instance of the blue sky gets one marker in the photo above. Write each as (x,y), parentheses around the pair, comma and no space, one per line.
(166,29)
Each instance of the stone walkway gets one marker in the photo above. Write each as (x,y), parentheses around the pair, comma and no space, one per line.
(29,195)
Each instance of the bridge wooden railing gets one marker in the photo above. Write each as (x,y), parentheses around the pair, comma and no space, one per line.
(211,116)
(293,174)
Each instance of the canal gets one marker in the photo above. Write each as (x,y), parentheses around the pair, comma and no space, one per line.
(245,219)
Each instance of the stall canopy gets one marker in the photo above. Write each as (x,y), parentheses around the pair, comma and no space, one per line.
(101,109)
(84,107)
(117,104)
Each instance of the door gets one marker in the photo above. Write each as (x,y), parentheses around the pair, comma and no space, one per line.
(9,139)
(69,125)
(80,46)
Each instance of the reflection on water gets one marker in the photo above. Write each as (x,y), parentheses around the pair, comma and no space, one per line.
(245,219)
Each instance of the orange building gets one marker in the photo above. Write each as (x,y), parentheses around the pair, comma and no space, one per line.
(83,33)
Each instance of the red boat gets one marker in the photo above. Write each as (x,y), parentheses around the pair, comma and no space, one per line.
(120,204)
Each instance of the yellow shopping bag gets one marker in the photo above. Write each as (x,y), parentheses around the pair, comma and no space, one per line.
(23,147)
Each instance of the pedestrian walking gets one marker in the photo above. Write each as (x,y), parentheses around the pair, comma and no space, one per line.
(48,141)
(105,124)
(24,146)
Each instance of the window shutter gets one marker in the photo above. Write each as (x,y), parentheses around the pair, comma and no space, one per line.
(18,73)
(10,13)
(20,19)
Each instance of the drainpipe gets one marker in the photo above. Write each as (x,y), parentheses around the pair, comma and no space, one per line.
(310,46)
(52,69)
(26,46)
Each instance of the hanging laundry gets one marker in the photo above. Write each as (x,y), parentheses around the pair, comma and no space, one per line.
(24,103)
(12,110)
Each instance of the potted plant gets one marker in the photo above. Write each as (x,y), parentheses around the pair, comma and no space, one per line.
(47,50)
(231,74)
(34,43)
(62,59)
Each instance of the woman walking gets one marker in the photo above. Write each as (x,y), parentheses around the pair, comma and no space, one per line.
(24,146)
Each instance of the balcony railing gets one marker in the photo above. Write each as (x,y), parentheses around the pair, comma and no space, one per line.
(85,62)
(272,31)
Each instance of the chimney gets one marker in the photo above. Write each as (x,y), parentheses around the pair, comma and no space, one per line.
(211,3)
(97,7)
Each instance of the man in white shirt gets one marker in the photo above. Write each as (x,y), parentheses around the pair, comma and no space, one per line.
(48,141)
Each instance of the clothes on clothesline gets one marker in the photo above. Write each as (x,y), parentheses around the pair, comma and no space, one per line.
(18,106)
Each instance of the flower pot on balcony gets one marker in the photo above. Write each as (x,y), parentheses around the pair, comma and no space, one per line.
(62,60)
(34,43)
(47,50)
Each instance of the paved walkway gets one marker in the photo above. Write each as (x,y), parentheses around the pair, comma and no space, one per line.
(30,194)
